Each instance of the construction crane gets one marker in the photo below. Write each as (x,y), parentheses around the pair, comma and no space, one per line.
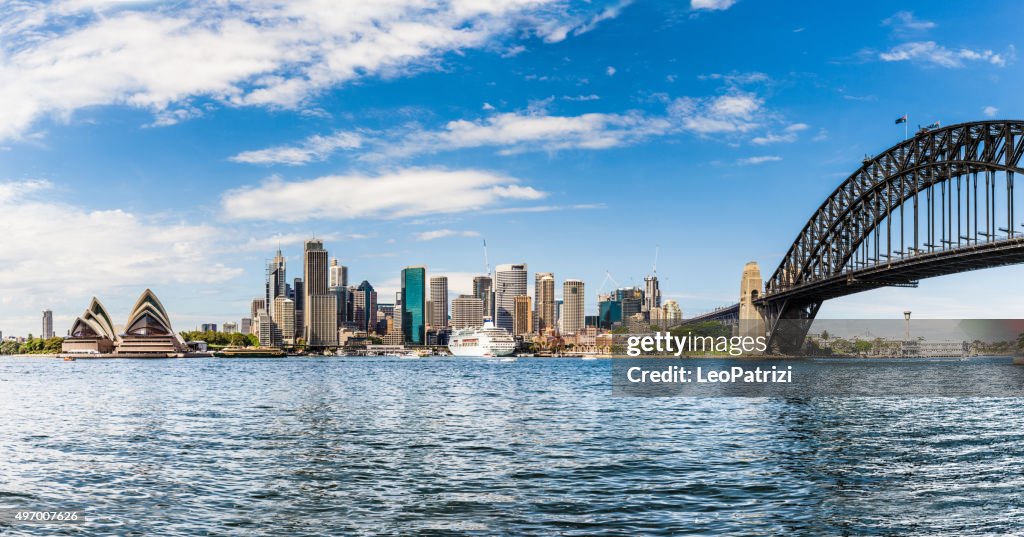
(607,276)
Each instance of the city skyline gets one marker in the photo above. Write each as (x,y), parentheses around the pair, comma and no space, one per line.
(537,130)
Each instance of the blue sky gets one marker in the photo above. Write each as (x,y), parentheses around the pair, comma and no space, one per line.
(174,146)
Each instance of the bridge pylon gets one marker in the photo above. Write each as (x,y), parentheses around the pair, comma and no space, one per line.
(751,320)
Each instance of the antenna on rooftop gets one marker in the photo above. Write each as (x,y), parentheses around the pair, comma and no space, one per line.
(657,248)
(487,264)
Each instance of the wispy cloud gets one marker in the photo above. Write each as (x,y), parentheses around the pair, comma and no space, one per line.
(711,4)
(990,111)
(536,129)
(932,53)
(904,22)
(442,233)
(396,194)
(167,57)
(750,161)
(313,148)
(546,208)
(263,244)
(789,134)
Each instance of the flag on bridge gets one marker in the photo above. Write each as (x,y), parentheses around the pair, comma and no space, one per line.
(901,119)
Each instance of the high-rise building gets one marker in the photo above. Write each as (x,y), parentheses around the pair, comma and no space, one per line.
(284,320)
(609,312)
(364,307)
(246,326)
(299,296)
(467,312)
(671,310)
(257,305)
(320,314)
(483,288)
(652,294)
(522,318)
(208,327)
(544,294)
(264,329)
(230,328)
(414,283)
(438,302)
(573,297)
(47,324)
(338,275)
(343,295)
(276,283)
(509,282)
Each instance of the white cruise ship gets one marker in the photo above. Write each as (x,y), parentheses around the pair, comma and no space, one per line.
(487,341)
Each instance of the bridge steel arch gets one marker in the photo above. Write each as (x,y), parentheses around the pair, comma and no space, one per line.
(911,212)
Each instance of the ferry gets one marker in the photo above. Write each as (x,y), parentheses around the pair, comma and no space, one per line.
(250,352)
(488,341)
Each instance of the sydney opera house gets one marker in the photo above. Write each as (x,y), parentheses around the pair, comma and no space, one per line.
(147,334)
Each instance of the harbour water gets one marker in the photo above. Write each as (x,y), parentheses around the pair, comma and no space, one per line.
(351,446)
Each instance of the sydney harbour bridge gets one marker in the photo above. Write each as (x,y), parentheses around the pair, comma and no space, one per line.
(939,203)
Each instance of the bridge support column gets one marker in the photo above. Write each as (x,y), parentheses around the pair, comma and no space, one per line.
(751,322)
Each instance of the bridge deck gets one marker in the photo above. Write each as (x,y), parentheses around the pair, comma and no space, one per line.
(908,271)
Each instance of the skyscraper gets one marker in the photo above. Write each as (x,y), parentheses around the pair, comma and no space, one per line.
(509,282)
(483,288)
(544,294)
(364,307)
(439,302)
(414,280)
(276,283)
(652,294)
(47,324)
(572,296)
(284,320)
(343,295)
(522,319)
(338,275)
(320,312)
(257,306)
(467,312)
(299,296)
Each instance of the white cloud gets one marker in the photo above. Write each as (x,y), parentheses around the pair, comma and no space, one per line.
(55,250)
(487,106)
(314,148)
(443,233)
(610,71)
(904,21)
(265,244)
(789,134)
(749,161)
(546,208)
(990,111)
(932,53)
(57,59)
(396,194)
(536,129)
(711,4)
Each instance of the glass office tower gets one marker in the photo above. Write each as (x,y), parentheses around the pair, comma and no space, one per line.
(414,286)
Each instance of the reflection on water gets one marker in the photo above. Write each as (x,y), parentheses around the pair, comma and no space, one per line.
(317,446)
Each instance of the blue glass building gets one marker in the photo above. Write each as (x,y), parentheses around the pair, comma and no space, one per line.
(414,287)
